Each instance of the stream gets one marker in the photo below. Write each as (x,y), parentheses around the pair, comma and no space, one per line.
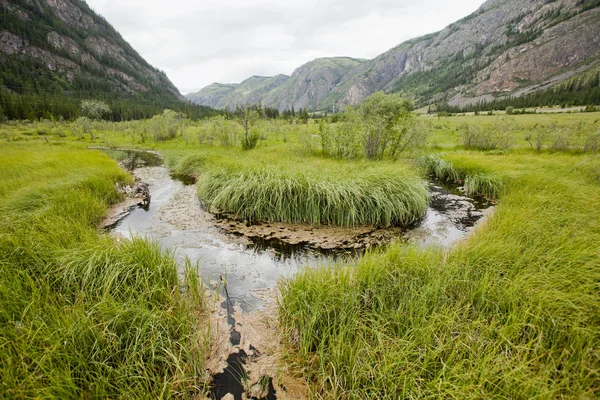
(246,271)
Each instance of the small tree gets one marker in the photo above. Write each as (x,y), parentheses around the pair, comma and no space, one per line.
(246,116)
(385,117)
(164,126)
(94,109)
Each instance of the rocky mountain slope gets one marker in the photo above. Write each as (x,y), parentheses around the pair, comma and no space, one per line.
(506,48)
(307,87)
(251,91)
(62,47)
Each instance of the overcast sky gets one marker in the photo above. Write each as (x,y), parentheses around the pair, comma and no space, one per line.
(198,42)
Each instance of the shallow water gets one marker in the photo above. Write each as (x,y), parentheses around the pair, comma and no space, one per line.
(176,220)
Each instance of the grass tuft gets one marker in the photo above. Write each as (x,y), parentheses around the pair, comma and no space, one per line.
(349,195)
(476,182)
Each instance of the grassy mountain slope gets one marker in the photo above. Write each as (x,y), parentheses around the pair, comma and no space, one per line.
(212,94)
(311,83)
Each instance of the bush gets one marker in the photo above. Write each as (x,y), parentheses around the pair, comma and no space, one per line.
(498,136)
(250,141)
(383,126)
(165,125)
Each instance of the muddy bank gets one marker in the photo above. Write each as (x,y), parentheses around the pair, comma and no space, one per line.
(294,237)
(248,359)
(449,218)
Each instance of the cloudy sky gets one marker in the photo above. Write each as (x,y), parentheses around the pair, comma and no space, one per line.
(197,42)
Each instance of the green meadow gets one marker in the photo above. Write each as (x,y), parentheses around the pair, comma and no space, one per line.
(511,312)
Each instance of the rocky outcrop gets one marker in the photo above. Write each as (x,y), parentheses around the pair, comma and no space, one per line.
(10,44)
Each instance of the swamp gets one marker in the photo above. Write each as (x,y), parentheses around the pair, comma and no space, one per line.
(352,256)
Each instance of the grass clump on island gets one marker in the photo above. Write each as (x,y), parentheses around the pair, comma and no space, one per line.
(315,191)
(475,180)
(83,315)
(513,312)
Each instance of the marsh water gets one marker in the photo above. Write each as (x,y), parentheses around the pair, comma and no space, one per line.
(240,267)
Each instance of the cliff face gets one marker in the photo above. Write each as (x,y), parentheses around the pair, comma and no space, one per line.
(74,50)
(507,47)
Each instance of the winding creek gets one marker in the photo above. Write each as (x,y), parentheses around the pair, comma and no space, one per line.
(245,268)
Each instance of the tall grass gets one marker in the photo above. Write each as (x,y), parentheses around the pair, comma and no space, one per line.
(316,192)
(476,181)
(83,315)
(514,312)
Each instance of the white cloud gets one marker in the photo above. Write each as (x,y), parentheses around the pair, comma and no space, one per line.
(200,42)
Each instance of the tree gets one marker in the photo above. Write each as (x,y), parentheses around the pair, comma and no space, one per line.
(246,116)
(303,115)
(94,109)
(164,126)
(386,119)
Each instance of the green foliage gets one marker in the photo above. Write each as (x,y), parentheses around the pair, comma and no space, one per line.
(165,126)
(83,315)
(94,109)
(383,125)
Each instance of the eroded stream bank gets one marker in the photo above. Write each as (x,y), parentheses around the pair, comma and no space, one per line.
(243,263)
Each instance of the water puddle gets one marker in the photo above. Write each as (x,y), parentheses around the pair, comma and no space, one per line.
(245,266)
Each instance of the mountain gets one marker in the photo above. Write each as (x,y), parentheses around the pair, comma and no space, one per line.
(212,94)
(310,84)
(507,48)
(57,52)
(305,88)
(251,91)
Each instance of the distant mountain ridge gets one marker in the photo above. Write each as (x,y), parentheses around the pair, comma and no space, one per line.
(305,88)
(505,48)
